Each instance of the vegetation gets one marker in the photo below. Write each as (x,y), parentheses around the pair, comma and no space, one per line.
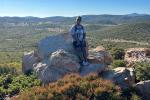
(124,35)
(74,87)
(11,84)
(142,70)
(118,63)
(118,53)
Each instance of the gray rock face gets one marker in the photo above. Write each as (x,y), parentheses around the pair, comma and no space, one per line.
(51,44)
(122,76)
(59,64)
(100,55)
(143,88)
(92,68)
(55,57)
(64,60)
(29,59)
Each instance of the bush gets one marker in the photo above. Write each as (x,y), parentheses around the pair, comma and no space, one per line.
(10,68)
(7,70)
(118,63)
(12,85)
(118,53)
(74,87)
(142,70)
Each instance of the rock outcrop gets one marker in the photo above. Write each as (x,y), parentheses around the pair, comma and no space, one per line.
(125,77)
(28,60)
(55,57)
(51,44)
(64,60)
(92,68)
(133,55)
(59,64)
(100,55)
(143,88)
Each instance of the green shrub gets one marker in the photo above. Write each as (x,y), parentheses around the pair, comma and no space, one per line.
(142,70)
(10,68)
(12,85)
(118,53)
(7,70)
(118,63)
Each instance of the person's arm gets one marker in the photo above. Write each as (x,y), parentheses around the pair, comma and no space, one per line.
(72,32)
(84,35)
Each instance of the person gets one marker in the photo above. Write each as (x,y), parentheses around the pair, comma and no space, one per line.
(78,34)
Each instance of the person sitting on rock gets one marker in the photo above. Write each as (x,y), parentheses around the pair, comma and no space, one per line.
(78,34)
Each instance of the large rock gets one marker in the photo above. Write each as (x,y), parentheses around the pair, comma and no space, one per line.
(99,55)
(50,44)
(28,60)
(143,88)
(59,64)
(64,60)
(133,55)
(92,68)
(47,73)
(55,57)
(125,77)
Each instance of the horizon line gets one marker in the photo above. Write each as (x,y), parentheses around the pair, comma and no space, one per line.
(74,15)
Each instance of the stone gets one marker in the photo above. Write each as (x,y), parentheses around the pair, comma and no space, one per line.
(99,55)
(59,64)
(55,57)
(143,88)
(52,43)
(124,77)
(92,68)
(28,60)
(50,74)
(64,60)
(133,55)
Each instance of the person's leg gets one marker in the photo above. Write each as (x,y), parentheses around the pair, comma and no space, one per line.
(87,49)
(84,49)
(84,54)
(78,51)
(79,54)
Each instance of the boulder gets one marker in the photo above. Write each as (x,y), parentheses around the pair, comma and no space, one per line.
(55,57)
(52,43)
(124,77)
(133,55)
(28,60)
(92,68)
(59,64)
(64,60)
(100,55)
(143,88)
(98,58)
(47,73)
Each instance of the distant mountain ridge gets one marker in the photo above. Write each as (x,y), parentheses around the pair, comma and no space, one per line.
(92,19)
(137,14)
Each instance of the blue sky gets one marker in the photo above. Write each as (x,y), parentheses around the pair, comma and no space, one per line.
(46,8)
